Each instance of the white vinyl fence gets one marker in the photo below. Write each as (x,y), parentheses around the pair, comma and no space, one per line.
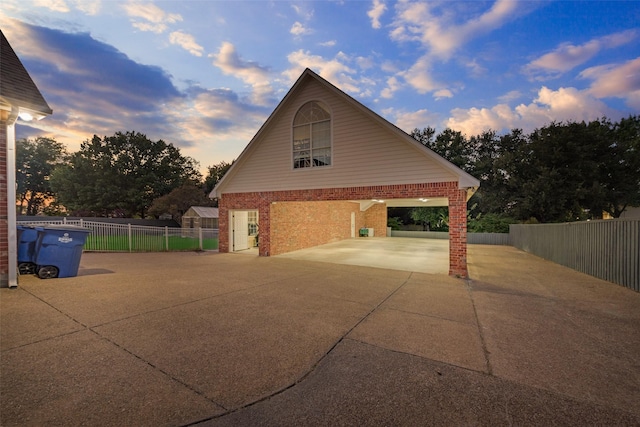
(107,237)
(607,249)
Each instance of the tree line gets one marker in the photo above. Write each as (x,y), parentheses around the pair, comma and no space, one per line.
(124,175)
(561,172)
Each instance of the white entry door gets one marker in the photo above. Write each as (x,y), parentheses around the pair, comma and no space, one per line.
(240,231)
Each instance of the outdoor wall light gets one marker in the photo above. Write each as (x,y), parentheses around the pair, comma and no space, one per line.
(28,114)
(424,200)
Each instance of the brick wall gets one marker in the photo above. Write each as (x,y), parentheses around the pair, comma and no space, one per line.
(299,225)
(4,231)
(376,218)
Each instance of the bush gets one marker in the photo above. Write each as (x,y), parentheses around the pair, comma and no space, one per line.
(490,223)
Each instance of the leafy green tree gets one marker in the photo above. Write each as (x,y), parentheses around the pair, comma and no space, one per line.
(425,136)
(394,222)
(621,173)
(489,223)
(215,174)
(35,162)
(121,175)
(431,218)
(179,201)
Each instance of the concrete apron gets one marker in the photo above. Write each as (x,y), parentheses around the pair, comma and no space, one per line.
(225,339)
(395,253)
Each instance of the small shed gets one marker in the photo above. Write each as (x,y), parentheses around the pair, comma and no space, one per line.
(200,217)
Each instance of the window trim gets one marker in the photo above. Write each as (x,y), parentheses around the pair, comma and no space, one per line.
(291,140)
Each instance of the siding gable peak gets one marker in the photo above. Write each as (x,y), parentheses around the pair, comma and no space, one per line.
(366,149)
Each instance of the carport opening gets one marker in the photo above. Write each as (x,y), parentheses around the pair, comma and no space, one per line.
(315,228)
(244,231)
(433,219)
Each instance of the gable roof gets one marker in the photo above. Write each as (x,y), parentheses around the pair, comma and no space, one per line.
(17,89)
(204,211)
(465,180)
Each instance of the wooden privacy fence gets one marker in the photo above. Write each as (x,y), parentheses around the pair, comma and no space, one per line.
(607,249)
(106,237)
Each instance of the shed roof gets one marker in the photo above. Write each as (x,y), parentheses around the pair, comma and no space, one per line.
(204,211)
(16,86)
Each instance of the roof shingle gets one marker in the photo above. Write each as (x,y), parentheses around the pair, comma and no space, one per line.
(16,85)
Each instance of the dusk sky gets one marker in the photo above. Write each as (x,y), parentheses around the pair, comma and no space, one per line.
(205,75)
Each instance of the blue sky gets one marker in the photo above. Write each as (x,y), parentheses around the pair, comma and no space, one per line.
(205,75)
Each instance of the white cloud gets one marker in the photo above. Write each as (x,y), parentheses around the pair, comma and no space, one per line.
(442,93)
(329,43)
(60,6)
(437,31)
(568,56)
(152,18)
(90,7)
(298,29)
(187,42)
(334,70)
(442,28)
(302,11)
(408,121)
(564,104)
(375,13)
(419,77)
(228,60)
(620,81)
(510,96)
(393,85)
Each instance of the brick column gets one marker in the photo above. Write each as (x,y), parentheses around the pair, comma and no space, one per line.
(223,227)
(264,227)
(458,233)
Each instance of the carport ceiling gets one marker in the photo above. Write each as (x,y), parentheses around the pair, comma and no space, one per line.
(405,203)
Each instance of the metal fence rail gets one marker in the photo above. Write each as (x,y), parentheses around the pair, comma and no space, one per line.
(105,237)
(607,249)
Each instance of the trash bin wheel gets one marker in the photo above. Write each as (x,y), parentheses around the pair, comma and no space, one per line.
(48,272)
(27,268)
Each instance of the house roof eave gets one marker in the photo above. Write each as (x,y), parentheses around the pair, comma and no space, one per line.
(465,180)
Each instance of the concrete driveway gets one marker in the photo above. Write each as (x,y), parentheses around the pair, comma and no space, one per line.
(227,339)
(397,253)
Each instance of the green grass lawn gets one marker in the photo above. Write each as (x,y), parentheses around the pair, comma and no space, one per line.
(147,243)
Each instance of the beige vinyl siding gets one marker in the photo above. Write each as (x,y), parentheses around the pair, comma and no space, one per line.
(363,153)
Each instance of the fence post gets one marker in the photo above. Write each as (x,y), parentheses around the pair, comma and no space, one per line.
(200,238)
(130,238)
(64,219)
(166,237)
(81,222)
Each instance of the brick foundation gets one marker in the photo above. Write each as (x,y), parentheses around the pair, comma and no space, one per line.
(286,224)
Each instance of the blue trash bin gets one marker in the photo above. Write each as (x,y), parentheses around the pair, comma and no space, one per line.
(27,242)
(59,249)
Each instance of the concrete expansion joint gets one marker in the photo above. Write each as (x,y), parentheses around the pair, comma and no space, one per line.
(102,337)
(483,342)
(158,369)
(314,366)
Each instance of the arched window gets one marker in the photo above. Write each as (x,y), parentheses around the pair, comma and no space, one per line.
(312,136)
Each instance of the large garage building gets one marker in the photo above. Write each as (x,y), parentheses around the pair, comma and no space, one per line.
(322,167)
